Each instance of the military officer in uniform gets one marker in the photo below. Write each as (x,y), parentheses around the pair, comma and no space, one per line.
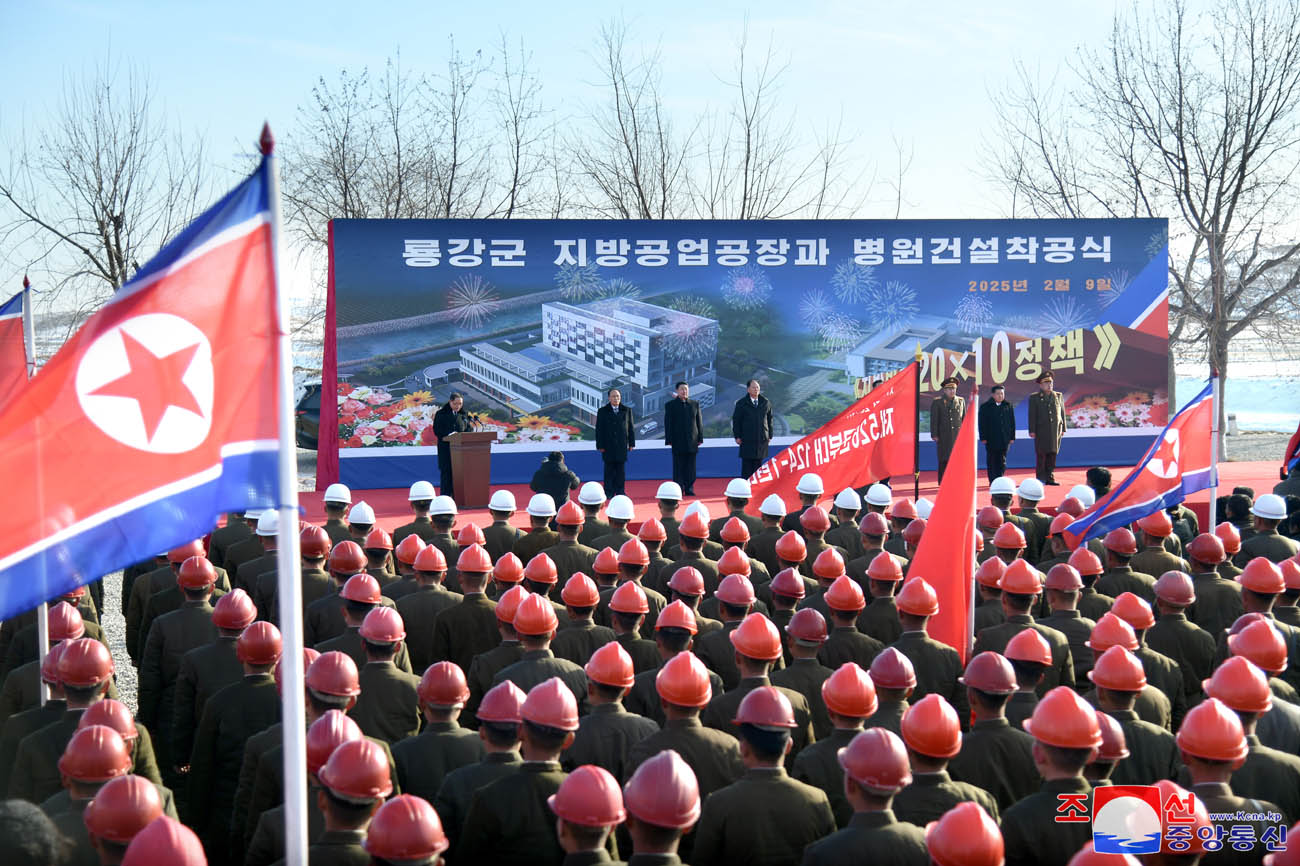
(1046,427)
(946,414)
(615,437)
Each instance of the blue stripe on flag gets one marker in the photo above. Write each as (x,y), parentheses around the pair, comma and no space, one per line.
(13,306)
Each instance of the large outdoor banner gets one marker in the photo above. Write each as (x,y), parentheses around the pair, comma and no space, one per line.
(535,320)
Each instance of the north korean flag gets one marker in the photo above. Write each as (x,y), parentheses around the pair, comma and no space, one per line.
(154,418)
(1178,463)
(13,349)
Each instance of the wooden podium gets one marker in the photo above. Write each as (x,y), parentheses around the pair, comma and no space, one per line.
(471,467)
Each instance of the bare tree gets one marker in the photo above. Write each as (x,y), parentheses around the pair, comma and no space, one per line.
(1191,117)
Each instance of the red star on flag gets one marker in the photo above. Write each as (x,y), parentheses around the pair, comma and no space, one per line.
(154,382)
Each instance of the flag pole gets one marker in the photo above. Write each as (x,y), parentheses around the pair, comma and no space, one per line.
(971,592)
(288,590)
(916,427)
(42,609)
(1214,447)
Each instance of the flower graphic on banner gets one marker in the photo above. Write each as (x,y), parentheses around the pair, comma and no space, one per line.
(373,417)
(1129,409)
(418,398)
(472,301)
(854,283)
(814,308)
(974,313)
(746,288)
(892,305)
(577,282)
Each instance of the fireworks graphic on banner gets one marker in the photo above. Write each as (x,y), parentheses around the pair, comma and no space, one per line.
(892,306)
(1062,315)
(853,283)
(1119,281)
(610,292)
(1023,326)
(814,308)
(472,301)
(578,282)
(974,313)
(839,332)
(746,288)
(693,332)
(1156,243)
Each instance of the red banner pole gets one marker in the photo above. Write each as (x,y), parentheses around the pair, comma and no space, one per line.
(916,443)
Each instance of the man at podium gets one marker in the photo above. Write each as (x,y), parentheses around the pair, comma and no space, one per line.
(451,418)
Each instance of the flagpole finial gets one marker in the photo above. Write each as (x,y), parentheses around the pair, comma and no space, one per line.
(27,284)
(266,141)
(918,350)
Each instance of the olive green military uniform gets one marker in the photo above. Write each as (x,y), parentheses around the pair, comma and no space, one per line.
(1227,569)
(400,588)
(819,766)
(762,546)
(582,638)
(996,638)
(1156,561)
(1031,834)
(538,666)
(419,609)
(482,673)
(458,789)
(1220,799)
(932,794)
(1122,578)
(337,530)
(349,643)
(937,667)
(997,758)
(1077,629)
(22,690)
(388,707)
(1037,534)
(24,645)
(643,698)
(708,609)
(847,538)
(18,726)
(1093,604)
(251,548)
(614,539)
(314,583)
(592,528)
(605,737)
(815,549)
(423,761)
(534,543)
(1266,543)
(856,568)
(420,526)
(1046,417)
(266,845)
(168,601)
(644,653)
(946,414)
(235,531)
(719,654)
(1218,603)
(989,613)
(1151,706)
(654,600)
(655,577)
(72,825)
(708,568)
(499,538)
(714,755)
(35,775)
(879,620)
(847,644)
(246,577)
(170,637)
(466,629)
(1166,677)
(723,708)
(1268,772)
(1153,755)
(806,677)
(711,550)
(242,824)
(571,557)
(888,715)
(752,523)
(451,552)
(204,671)
(337,848)
(763,818)
(890,841)
(1020,706)
(791,520)
(61,802)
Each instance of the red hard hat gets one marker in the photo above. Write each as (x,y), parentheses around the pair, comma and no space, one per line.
(989,517)
(406,829)
(1062,718)
(1118,670)
(347,557)
(652,530)
(408,549)
(1133,610)
(313,542)
(234,611)
(903,510)
(735,590)
(965,836)
(918,598)
(807,625)
(1113,746)
(95,754)
(1241,685)
(1262,576)
(1201,823)
(1111,631)
(1175,587)
(65,622)
(1009,537)
(85,662)
(912,534)
(788,583)
(1291,573)
(850,692)
(1086,562)
(1120,540)
(309,656)
(1071,506)
(508,603)
(990,572)
(196,573)
(111,714)
(829,564)
(629,598)
(551,704)
(165,840)
(633,552)
(358,771)
(470,534)
(1257,641)
(684,681)
(1063,578)
(383,625)
(815,519)
(1212,731)
(687,581)
(509,569)
(260,644)
(606,562)
(664,792)
(122,808)
(1021,578)
(845,595)
(677,615)
(50,665)
(443,685)
(611,666)
(930,727)
(589,797)
(990,672)
(1060,523)
(877,760)
(474,559)
(326,734)
(733,561)
(570,514)
(535,616)
(378,539)
(431,558)
(361,588)
(791,547)
(734,531)
(892,670)
(873,523)
(1029,646)
(1244,620)
(1157,524)
(502,704)
(334,673)
(1230,536)
(178,555)
(580,591)
(885,567)
(694,526)
(1208,548)
(757,638)
(765,707)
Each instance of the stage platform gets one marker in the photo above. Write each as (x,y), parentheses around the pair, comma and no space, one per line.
(392,510)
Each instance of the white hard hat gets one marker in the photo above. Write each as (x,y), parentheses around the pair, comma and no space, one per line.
(738,488)
(591,493)
(669,490)
(699,506)
(848,499)
(502,500)
(923,508)
(268,522)
(541,505)
(1269,506)
(880,495)
(1085,494)
(250,514)
(620,508)
(337,493)
(773,506)
(811,484)
(1002,486)
(362,513)
(442,505)
(421,490)
(1031,489)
